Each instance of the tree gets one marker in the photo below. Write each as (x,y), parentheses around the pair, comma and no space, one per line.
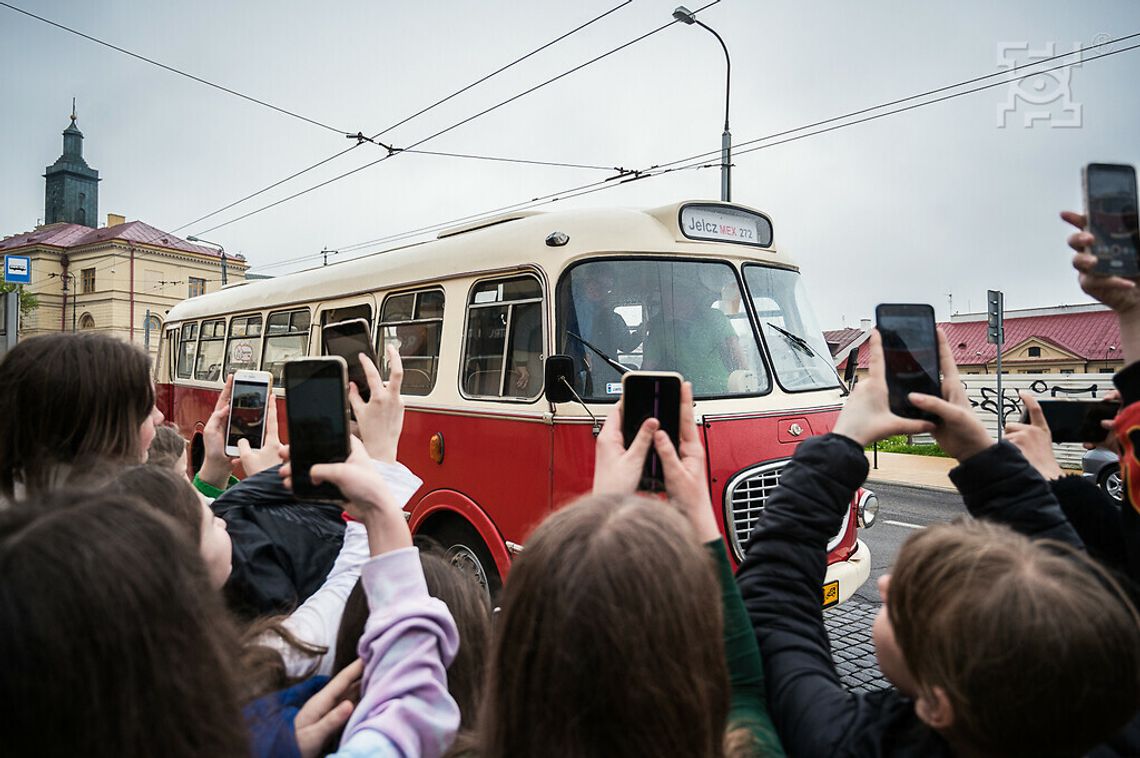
(28,301)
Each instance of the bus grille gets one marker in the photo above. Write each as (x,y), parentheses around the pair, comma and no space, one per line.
(745,497)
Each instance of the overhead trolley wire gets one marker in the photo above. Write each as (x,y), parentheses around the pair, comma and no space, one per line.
(396,151)
(172,69)
(406,119)
(664,168)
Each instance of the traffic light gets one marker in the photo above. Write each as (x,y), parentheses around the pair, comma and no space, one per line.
(995,310)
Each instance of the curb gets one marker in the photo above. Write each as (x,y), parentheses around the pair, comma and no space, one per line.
(912,485)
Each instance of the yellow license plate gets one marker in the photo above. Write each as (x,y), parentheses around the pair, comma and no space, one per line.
(831,594)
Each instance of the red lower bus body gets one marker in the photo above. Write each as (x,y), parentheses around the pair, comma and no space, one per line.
(501,474)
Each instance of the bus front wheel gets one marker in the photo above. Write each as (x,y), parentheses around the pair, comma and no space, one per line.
(466,551)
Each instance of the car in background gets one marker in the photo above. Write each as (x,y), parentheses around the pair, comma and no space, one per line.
(1103,467)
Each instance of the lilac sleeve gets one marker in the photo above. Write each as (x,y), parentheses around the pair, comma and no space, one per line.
(409,640)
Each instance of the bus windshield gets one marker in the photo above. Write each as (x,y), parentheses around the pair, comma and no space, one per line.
(795,342)
(658,315)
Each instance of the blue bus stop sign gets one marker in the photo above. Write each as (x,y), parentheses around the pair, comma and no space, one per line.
(17,269)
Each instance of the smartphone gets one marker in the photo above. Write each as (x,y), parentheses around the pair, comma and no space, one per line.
(910,350)
(348,339)
(316,401)
(1110,207)
(656,394)
(251,397)
(1076,420)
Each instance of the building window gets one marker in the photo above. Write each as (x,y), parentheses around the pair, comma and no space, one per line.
(86,321)
(88,280)
(197,286)
(1068,371)
(1034,352)
(412,322)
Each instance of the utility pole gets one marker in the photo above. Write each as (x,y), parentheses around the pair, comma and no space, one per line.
(995,335)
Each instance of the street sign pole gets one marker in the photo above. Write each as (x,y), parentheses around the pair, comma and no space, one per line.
(995,334)
(11,319)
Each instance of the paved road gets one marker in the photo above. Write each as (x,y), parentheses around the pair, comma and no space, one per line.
(902,510)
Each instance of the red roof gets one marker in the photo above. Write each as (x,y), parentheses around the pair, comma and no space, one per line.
(1088,335)
(840,339)
(75,235)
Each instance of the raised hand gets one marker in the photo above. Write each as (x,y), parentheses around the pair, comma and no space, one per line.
(686,479)
(1120,294)
(381,419)
(254,459)
(960,434)
(1034,439)
(867,416)
(217,466)
(617,470)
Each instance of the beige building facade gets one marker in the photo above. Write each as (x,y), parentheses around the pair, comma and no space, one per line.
(121,278)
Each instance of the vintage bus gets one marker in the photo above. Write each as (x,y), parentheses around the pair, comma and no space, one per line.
(484,312)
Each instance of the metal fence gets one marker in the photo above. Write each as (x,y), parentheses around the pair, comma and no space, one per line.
(982,391)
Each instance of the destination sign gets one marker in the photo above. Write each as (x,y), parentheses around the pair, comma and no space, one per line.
(719,223)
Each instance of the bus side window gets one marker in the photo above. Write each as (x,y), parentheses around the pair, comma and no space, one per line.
(162,361)
(186,349)
(503,346)
(412,322)
(211,351)
(286,338)
(244,349)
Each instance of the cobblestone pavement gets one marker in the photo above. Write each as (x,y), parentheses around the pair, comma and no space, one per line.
(849,628)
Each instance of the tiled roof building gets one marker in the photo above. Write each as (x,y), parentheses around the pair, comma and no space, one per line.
(1063,339)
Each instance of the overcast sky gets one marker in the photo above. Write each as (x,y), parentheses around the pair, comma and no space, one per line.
(909,207)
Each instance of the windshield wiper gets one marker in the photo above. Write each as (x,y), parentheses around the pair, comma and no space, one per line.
(798,341)
(617,366)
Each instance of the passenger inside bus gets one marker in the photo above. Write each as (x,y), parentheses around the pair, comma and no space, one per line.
(596,321)
(693,336)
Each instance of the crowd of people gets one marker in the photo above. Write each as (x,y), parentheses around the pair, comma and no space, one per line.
(147,612)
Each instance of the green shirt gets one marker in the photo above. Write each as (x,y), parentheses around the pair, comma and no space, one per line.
(696,347)
(748,708)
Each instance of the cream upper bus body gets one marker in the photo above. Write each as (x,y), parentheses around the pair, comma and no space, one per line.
(792,393)
(460,257)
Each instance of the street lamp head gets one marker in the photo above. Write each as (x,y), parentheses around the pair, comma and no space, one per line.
(684,15)
(192,238)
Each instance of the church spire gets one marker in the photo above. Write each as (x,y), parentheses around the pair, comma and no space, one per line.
(72,190)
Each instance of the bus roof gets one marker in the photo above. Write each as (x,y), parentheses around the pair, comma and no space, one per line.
(510,241)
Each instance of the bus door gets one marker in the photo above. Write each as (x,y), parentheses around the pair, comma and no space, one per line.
(500,444)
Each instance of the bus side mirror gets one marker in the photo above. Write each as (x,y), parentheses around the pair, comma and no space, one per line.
(559,376)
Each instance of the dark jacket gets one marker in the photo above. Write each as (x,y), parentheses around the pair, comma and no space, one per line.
(282,548)
(780,579)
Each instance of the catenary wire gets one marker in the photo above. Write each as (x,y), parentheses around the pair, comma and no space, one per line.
(171,69)
(456,125)
(420,112)
(661,169)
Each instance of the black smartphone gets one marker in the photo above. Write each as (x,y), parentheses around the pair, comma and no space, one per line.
(317,405)
(910,350)
(1110,207)
(1076,420)
(651,394)
(348,339)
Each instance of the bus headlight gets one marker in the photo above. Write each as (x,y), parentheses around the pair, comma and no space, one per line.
(868,509)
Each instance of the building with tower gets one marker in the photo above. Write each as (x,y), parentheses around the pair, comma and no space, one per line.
(120,278)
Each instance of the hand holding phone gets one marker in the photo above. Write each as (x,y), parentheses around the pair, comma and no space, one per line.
(316,403)
(1111,211)
(651,394)
(348,339)
(1075,420)
(910,355)
(251,395)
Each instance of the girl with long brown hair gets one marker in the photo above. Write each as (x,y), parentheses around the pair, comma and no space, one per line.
(614,629)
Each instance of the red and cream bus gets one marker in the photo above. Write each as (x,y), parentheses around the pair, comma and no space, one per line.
(480,312)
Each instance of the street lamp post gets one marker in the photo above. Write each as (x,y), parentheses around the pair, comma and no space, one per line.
(686,16)
(221,250)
